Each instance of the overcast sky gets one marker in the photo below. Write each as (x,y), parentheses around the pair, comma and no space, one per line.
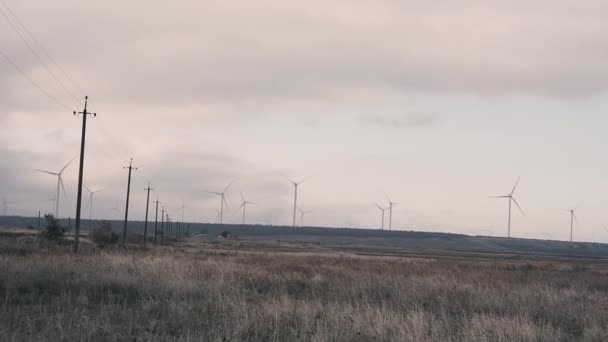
(437,105)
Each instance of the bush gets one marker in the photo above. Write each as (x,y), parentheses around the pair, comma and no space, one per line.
(103,235)
(52,230)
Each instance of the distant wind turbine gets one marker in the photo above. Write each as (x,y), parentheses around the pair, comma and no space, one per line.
(5,205)
(222,200)
(391,204)
(91,193)
(244,206)
(295,199)
(302,213)
(572,221)
(383,211)
(59,184)
(182,208)
(511,201)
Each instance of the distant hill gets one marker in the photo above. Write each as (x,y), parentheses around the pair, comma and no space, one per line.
(369,238)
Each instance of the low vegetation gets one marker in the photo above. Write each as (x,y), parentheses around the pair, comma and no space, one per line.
(53,229)
(221,293)
(103,235)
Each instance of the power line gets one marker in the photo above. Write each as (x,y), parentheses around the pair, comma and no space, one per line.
(34,52)
(54,99)
(44,50)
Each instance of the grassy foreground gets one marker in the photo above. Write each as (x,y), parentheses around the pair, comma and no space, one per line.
(207,293)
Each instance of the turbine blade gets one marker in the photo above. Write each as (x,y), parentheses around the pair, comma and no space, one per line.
(227,187)
(50,173)
(62,187)
(518,207)
(66,165)
(515,187)
(300,182)
(242,197)
(226,203)
(87,188)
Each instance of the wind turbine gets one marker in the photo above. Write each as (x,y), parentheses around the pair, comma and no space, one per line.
(5,205)
(383,211)
(244,206)
(511,201)
(182,208)
(91,193)
(295,199)
(572,220)
(391,204)
(222,200)
(302,213)
(59,184)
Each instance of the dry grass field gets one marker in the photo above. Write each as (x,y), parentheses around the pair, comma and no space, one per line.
(222,292)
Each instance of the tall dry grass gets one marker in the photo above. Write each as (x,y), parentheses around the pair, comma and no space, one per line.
(175,294)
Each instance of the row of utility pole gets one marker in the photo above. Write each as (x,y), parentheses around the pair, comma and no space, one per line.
(177,230)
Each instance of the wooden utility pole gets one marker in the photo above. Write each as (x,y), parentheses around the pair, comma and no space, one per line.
(156,219)
(146,222)
(162,225)
(130,168)
(84,113)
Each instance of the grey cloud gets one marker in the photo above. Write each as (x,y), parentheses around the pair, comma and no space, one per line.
(278,52)
(402,121)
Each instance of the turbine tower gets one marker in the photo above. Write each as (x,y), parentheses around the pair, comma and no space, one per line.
(302,213)
(222,200)
(383,211)
(91,193)
(244,206)
(60,185)
(511,201)
(295,199)
(391,204)
(572,221)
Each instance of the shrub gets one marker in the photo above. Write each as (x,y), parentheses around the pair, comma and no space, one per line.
(102,234)
(53,229)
